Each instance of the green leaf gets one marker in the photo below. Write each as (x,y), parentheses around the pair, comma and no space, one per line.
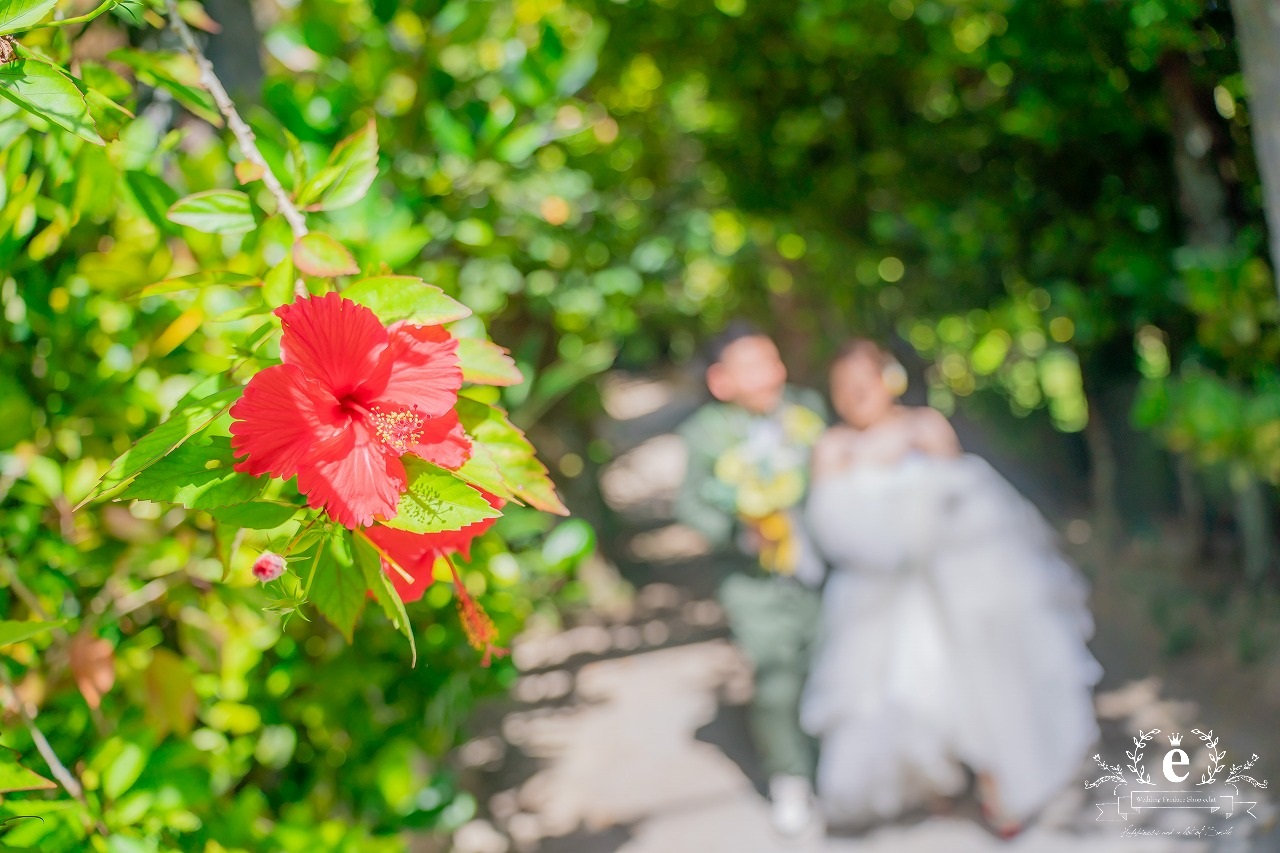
(512,453)
(347,174)
(485,363)
(571,542)
(449,134)
(15,632)
(338,588)
(44,90)
(215,212)
(480,470)
(18,15)
(15,777)
(255,515)
(177,74)
(130,11)
(198,475)
(153,197)
(123,769)
(522,142)
(406,297)
(197,280)
(187,419)
(437,500)
(375,579)
(320,255)
(277,285)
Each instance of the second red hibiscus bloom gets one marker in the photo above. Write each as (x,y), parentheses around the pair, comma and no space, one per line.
(350,399)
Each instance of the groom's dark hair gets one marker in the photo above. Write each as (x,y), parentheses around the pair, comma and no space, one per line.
(713,352)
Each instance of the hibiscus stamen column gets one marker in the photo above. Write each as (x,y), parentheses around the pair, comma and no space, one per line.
(476,624)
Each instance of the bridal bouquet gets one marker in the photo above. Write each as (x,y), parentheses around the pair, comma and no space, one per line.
(765,476)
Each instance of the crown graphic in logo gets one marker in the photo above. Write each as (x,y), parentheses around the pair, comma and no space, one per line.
(1175,739)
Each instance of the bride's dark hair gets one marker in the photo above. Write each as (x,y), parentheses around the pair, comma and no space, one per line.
(891,370)
(863,348)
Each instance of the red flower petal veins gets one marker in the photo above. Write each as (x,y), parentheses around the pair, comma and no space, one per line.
(424,369)
(280,418)
(353,478)
(336,342)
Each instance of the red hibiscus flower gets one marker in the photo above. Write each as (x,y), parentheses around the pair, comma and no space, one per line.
(351,398)
(416,553)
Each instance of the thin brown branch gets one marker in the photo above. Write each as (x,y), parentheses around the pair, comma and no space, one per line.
(59,770)
(243,133)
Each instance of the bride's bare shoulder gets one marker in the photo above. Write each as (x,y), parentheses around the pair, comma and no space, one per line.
(932,432)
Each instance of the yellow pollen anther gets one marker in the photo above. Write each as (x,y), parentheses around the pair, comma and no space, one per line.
(398,430)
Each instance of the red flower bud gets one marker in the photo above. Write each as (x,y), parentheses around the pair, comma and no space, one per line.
(268,567)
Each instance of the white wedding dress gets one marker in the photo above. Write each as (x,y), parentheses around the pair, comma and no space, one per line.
(953,634)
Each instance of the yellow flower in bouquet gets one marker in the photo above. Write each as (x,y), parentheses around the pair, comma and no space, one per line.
(767,478)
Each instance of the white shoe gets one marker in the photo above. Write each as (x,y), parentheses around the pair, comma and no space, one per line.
(792,798)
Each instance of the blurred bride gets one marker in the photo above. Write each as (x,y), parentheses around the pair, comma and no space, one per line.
(953,632)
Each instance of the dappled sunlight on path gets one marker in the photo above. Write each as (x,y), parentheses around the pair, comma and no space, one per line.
(629,734)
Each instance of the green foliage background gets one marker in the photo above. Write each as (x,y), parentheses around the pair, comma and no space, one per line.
(993,185)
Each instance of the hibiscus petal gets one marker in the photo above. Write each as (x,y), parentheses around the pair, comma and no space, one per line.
(353,478)
(443,442)
(423,361)
(280,418)
(335,341)
(413,552)
(416,553)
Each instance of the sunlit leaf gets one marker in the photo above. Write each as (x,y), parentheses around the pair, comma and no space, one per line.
(198,280)
(18,15)
(486,363)
(175,73)
(255,515)
(197,475)
(278,283)
(44,90)
(15,632)
(15,777)
(248,171)
(480,470)
(436,500)
(215,212)
(346,175)
(405,297)
(186,421)
(512,453)
(320,255)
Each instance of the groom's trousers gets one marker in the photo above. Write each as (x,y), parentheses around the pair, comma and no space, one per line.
(775,621)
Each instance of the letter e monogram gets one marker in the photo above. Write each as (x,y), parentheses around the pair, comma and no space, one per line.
(1175,758)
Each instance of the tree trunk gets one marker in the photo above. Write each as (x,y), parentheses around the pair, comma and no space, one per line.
(1102,478)
(1198,142)
(1258,32)
(1254,522)
(235,50)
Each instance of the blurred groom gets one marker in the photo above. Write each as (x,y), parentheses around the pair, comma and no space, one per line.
(748,471)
